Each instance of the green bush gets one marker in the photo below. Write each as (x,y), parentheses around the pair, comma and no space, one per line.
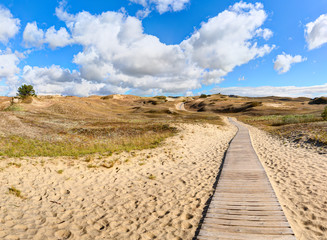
(203,96)
(324,114)
(25,91)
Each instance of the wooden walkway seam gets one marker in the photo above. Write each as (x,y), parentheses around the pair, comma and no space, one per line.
(244,205)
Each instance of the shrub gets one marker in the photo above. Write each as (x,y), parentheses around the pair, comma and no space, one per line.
(324,114)
(161,98)
(203,96)
(26,91)
(320,100)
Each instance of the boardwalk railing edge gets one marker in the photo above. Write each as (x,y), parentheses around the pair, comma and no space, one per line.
(207,204)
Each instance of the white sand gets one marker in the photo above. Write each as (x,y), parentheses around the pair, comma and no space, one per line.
(120,202)
(299,177)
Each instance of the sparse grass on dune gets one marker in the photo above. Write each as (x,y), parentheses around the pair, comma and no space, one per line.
(299,128)
(17,146)
(279,120)
(14,108)
(72,126)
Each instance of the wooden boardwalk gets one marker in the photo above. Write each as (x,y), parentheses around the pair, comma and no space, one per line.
(244,205)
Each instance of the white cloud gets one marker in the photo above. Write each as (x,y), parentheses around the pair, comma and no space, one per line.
(35,37)
(316,32)
(9,26)
(227,40)
(283,62)
(163,6)
(8,66)
(55,80)
(43,76)
(132,59)
(116,50)
(9,70)
(60,38)
(143,13)
(286,91)
(265,33)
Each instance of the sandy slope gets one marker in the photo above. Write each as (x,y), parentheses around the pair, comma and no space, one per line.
(299,177)
(115,203)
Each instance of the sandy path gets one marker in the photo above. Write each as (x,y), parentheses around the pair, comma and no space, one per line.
(299,177)
(180,106)
(158,193)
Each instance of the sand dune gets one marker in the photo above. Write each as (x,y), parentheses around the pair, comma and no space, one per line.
(158,193)
(299,178)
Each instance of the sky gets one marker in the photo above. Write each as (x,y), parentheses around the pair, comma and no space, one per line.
(164,47)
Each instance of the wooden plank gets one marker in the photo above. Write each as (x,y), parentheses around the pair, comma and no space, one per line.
(245,203)
(242,236)
(246,207)
(245,212)
(245,222)
(252,191)
(246,217)
(245,195)
(248,229)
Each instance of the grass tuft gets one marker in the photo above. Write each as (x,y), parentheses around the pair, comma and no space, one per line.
(15,191)
(14,108)
(152,177)
(17,165)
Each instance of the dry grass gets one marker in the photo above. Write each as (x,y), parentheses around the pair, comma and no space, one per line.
(14,191)
(303,129)
(17,146)
(279,120)
(72,126)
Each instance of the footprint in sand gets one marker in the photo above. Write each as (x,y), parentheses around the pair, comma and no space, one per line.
(63,234)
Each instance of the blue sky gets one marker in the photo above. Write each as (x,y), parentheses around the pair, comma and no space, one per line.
(164,47)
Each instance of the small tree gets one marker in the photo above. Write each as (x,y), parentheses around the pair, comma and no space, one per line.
(25,91)
(324,114)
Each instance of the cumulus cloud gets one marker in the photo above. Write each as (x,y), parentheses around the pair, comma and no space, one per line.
(35,37)
(132,59)
(116,51)
(163,6)
(118,56)
(8,66)
(9,70)
(265,33)
(285,91)
(283,62)
(60,38)
(316,32)
(9,26)
(226,41)
(54,80)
